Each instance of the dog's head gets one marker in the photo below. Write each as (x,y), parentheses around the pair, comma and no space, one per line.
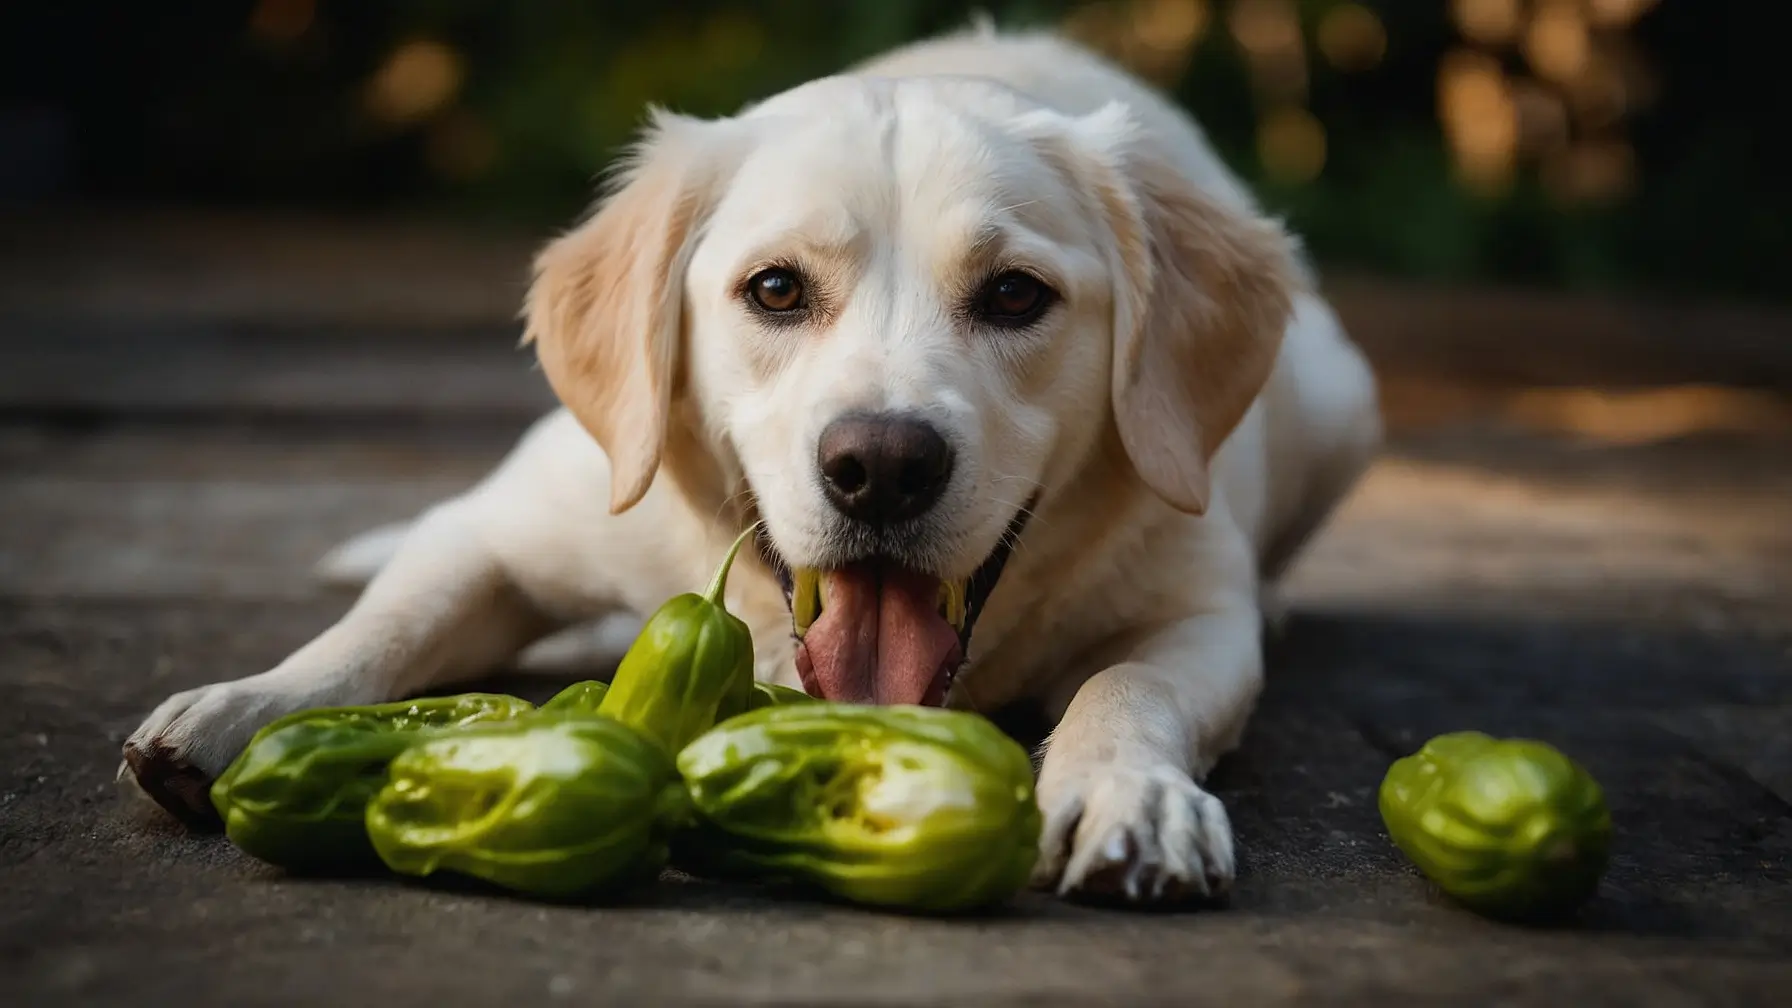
(906,314)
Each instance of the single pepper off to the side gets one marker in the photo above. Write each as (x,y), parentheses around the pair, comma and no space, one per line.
(1510,828)
(690,667)
(296,796)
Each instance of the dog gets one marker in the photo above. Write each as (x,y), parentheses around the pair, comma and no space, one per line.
(1029,399)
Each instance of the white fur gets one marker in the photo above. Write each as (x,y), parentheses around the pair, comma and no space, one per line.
(1131,606)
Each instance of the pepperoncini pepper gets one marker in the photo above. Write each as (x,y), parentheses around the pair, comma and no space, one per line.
(554,806)
(773,695)
(912,808)
(296,795)
(1510,828)
(579,698)
(690,667)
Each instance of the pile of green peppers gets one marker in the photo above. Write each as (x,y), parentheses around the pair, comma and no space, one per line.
(297,796)
(906,808)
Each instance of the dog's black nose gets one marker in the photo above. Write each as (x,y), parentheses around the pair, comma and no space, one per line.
(883,468)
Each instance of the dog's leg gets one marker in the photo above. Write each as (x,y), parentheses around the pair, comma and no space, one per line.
(1124,816)
(443,609)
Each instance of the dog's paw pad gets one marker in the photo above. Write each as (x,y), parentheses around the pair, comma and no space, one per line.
(183,790)
(192,737)
(1137,835)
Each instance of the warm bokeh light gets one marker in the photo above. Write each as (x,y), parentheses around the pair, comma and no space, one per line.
(1169,25)
(1269,33)
(1352,37)
(419,79)
(1480,119)
(1152,38)
(1291,145)
(1647,415)
(1556,43)
(1590,172)
(1265,27)
(1617,13)
(282,20)
(1489,22)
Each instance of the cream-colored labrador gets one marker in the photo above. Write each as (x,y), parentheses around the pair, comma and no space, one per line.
(1032,402)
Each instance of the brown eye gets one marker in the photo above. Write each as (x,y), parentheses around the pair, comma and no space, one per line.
(776,290)
(1013,299)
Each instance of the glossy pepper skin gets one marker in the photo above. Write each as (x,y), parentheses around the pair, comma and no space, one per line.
(773,695)
(579,698)
(297,794)
(1511,828)
(585,697)
(555,806)
(690,667)
(911,808)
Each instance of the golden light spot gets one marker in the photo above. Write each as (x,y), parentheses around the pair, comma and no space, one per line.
(1590,172)
(417,80)
(1152,38)
(1265,27)
(1269,33)
(1169,25)
(281,20)
(1291,145)
(1556,43)
(1479,118)
(1489,22)
(1646,415)
(1352,37)
(461,147)
(1617,13)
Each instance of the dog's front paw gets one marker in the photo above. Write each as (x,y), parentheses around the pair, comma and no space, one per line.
(191,738)
(1140,834)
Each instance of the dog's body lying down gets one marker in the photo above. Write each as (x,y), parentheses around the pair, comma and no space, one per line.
(989,340)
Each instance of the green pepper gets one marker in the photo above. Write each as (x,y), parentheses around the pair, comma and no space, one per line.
(913,808)
(690,667)
(1509,828)
(773,695)
(580,698)
(554,806)
(296,794)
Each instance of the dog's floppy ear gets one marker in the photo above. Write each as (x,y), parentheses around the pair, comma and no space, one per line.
(1202,295)
(605,310)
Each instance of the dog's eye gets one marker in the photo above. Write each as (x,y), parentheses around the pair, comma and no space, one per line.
(1013,298)
(776,290)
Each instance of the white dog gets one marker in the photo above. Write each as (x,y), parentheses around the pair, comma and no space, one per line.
(1032,402)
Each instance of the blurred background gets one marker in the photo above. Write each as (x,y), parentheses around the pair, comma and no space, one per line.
(1614,145)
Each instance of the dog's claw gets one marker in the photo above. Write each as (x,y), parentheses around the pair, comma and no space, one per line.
(1135,835)
(184,791)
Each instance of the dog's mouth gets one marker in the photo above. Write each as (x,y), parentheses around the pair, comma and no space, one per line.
(874,631)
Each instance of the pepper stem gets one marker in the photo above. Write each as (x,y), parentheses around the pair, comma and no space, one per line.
(714,593)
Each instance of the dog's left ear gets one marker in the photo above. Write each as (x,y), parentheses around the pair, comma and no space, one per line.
(1203,291)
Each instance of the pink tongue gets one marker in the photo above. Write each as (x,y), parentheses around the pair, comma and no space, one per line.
(879,639)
